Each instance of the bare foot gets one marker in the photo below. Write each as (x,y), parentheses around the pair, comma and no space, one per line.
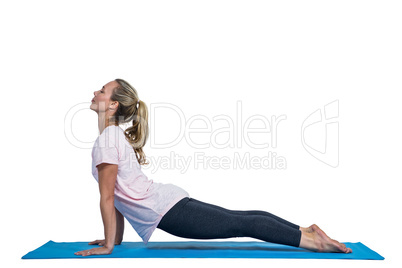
(313,238)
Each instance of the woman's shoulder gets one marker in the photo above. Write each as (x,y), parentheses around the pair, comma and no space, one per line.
(113,131)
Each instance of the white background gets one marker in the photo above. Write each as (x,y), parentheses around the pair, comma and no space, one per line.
(278,58)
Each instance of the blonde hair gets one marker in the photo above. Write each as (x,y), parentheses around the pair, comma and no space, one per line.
(127,111)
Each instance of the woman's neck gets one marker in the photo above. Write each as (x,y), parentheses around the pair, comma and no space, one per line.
(104,122)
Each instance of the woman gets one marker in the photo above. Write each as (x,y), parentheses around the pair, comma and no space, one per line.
(126,192)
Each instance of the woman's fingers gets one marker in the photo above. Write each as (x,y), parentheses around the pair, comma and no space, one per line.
(94,251)
(99,242)
(83,253)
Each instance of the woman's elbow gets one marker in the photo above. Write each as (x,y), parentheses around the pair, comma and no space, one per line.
(107,198)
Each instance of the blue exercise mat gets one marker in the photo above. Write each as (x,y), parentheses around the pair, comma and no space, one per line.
(198,249)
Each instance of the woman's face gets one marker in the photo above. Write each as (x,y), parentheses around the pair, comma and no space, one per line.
(101,101)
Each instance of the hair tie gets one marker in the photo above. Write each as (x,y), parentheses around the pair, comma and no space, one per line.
(136,107)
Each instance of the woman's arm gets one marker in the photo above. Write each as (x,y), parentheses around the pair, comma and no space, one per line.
(107,174)
(119,231)
(120,227)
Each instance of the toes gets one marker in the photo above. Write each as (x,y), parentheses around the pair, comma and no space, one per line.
(344,248)
(338,247)
(348,250)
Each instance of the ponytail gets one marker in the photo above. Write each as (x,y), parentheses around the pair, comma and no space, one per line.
(137,134)
(132,109)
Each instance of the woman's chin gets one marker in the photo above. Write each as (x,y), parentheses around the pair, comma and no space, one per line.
(93,107)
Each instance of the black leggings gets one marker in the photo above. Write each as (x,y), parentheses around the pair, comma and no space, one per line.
(190,218)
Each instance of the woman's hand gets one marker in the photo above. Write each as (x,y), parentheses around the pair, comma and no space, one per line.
(94,251)
(100,242)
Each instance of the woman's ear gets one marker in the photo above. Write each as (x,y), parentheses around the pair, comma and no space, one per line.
(114,105)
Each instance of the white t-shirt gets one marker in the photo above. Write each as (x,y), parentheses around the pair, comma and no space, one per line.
(140,200)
